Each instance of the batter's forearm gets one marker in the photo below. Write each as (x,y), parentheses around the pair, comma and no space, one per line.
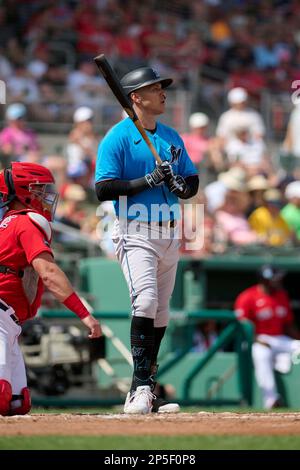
(110,190)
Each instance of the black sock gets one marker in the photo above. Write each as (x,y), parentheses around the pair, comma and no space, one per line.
(158,336)
(142,344)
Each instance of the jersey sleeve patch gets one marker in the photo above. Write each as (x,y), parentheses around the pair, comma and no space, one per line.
(42,223)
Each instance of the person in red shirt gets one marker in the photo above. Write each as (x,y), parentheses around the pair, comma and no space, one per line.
(26,267)
(267,305)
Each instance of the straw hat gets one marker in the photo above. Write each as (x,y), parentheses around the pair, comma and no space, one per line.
(74,192)
(234,179)
(272,195)
(258,183)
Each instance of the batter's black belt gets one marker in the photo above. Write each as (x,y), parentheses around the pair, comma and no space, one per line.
(12,315)
(165,223)
(7,270)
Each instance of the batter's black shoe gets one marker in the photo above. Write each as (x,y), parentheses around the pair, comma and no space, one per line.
(278,404)
(160,405)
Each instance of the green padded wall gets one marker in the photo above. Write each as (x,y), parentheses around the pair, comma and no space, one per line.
(103,280)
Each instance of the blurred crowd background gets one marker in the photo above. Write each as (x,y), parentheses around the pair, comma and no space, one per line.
(236,67)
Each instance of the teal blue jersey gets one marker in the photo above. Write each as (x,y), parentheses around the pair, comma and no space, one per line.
(124,155)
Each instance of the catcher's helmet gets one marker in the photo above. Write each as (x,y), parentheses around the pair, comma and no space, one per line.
(32,185)
(141,77)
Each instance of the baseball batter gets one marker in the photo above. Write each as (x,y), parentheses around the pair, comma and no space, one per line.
(26,266)
(267,305)
(146,230)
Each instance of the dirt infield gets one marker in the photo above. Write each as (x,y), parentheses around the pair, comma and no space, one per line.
(201,423)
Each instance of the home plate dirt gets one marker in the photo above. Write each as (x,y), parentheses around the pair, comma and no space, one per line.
(176,424)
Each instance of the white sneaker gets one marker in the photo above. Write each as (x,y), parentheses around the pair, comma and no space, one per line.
(140,402)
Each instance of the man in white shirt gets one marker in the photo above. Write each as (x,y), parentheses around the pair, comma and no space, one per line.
(239,115)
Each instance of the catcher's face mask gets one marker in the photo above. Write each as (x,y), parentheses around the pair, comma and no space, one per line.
(44,198)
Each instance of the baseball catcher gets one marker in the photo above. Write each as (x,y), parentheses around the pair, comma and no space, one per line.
(26,266)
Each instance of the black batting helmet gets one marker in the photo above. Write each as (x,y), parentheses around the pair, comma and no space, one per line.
(141,77)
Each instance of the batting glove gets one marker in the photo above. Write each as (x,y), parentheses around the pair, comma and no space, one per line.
(161,173)
(178,186)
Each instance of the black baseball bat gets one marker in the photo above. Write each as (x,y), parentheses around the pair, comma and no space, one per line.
(117,89)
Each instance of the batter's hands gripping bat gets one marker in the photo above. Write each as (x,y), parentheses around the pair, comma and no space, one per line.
(117,89)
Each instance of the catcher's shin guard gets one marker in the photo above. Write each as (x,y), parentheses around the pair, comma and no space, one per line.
(5,397)
(25,399)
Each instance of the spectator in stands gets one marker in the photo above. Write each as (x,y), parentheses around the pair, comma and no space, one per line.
(127,47)
(57,77)
(58,167)
(202,149)
(267,305)
(240,52)
(257,185)
(82,144)
(94,28)
(281,182)
(85,87)
(16,138)
(39,63)
(220,29)
(267,51)
(190,53)
(53,106)
(268,223)
(69,210)
(239,115)
(232,219)
(196,141)
(235,179)
(291,211)
(70,32)
(205,336)
(8,30)
(248,151)
(22,87)
(6,69)
(249,78)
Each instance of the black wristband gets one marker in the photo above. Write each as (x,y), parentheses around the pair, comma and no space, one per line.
(191,188)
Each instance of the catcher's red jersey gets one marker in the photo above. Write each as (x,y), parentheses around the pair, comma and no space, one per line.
(20,242)
(269,313)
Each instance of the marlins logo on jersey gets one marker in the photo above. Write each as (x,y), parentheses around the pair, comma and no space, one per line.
(175,152)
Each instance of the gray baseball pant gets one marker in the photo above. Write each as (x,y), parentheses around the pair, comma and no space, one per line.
(149,262)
